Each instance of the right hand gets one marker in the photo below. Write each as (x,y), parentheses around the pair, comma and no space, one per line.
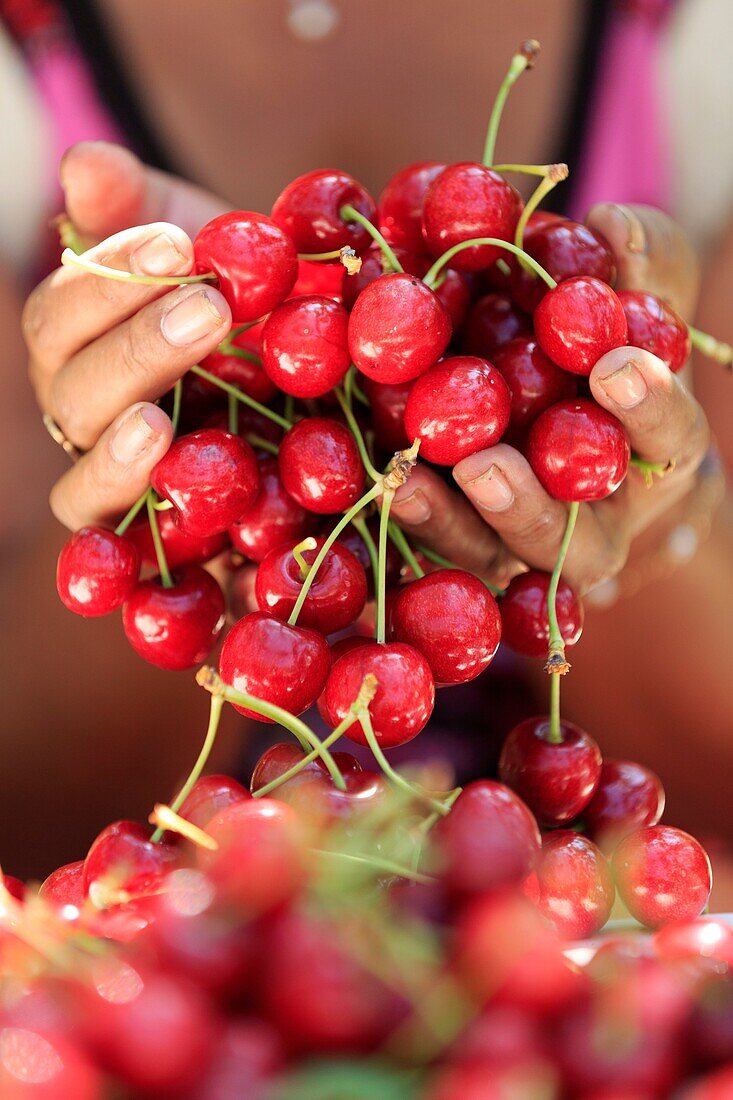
(101,352)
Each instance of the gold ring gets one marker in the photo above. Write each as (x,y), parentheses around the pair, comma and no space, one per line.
(58,437)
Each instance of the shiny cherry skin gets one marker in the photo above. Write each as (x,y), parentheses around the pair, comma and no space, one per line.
(175,628)
(335,599)
(493,322)
(487,841)
(14,886)
(557,781)
(209,795)
(465,201)
(662,875)
(255,262)
(65,886)
(454,291)
(578,322)
(702,937)
(458,407)
(309,211)
(273,519)
(96,571)
(304,346)
(397,329)
(124,855)
(628,797)
(180,547)
(401,203)
(352,540)
(576,891)
(452,619)
(211,477)
(404,698)
(320,466)
(284,665)
(535,383)
(654,326)
(374,265)
(46,1067)
(283,755)
(248,375)
(565,249)
(525,625)
(578,450)
(387,405)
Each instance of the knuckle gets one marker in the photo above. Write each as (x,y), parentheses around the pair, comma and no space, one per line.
(68,413)
(540,526)
(58,503)
(136,350)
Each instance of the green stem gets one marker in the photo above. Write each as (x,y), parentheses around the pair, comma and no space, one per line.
(378,864)
(226,347)
(130,516)
(556,662)
(68,235)
(177,397)
(351,420)
(400,540)
(380,581)
(525,169)
(517,65)
(235,391)
(650,470)
(360,524)
(70,259)
(338,732)
(261,444)
(712,348)
(217,703)
(398,780)
(555,735)
(232,414)
(555,173)
(165,574)
(349,213)
(446,564)
(239,329)
(163,505)
(440,263)
(289,407)
(307,544)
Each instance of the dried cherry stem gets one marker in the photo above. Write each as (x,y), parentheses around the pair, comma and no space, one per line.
(650,470)
(234,391)
(355,430)
(557,664)
(215,709)
(712,348)
(379,864)
(440,263)
(395,777)
(349,213)
(70,259)
(209,678)
(554,174)
(523,59)
(346,255)
(380,584)
(307,544)
(360,525)
(400,540)
(438,559)
(165,574)
(177,399)
(131,514)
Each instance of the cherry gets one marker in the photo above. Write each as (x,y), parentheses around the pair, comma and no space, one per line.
(397,329)
(452,619)
(557,781)
(404,698)
(248,421)
(578,322)
(352,540)
(653,325)
(318,278)
(335,599)
(387,407)
(628,797)
(283,755)
(284,665)
(374,265)
(465,201)
(535,383)
(237,371)
(254,261)
(309,211)
(211,477)
(248,1054)
(65,886)
(304,346)
(717,1085)
(578,450)
(576,891)
(704,937)
(457,408)
(662,875)
(454,291)
(45,1067)
(96,572)
(493,322)
(488,840)
(401,203)
(565,249)
(175,628)
(209,795)
(179,547)
(273,518)
(525,625)
(14,886)
(124,857)
(320,466)
(478,1080)
(364,789)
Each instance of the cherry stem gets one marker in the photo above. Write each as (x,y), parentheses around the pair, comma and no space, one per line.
(70,259)
(349,213)
(210,679)
(346,255)
(712,348)
(262,444)
(522,60)
(235,391)
(226,347)
(399,539)
(165,574)
(650,470)
(440,263)
(553,175)
(556,664)
(177,399)
(438,559)
(351,420)
(307,544)
(216,706)
(378,864)
(503,267)
(360,524)
(68,235)
(232,414)
(380,583)
(555,736)
(163,505)
(131,514)
(399,780)
(239,329)
(525,169)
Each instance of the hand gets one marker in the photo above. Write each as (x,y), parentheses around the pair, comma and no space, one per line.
(504,520)
(101,351)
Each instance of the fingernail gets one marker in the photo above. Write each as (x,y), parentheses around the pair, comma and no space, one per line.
(626,387)
(489,488)
(136,434)
(636,240)
(158,256)
(191,318)
(414,508)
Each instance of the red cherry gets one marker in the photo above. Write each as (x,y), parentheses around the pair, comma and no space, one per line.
(273,519)
(704,937)
(397,329)
(180,547)
(364,790)
(578,322)
(662,875)
(557,781)
(124,856)
(457,408)
(335,599)
(284,665)
(244,373)
(578,450)
(249,1053)
(318,278)
(717,1085)
(525,625)
(374,265)
(211,477)
(209,795)
(309,211)
(352,540)
(452,619)
(254,261)
(175,628)
(65,886)
(34,1066)
(320,465)
(401,203)
(387,405)
(488,840)
(565,249)
(479,1080)
(96,572)
(248,420)
(454,291)
(14,886)
(304,347)
(628,797)
(465,201)
(404,698)
(535,383)
(653,325)
(575,886)
(283,755)
(494,320)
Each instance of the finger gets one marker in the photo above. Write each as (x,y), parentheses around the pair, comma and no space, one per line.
(138,360)
(106,481)
(502,487)
(437,517)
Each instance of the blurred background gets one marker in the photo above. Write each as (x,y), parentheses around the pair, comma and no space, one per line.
(241,96)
